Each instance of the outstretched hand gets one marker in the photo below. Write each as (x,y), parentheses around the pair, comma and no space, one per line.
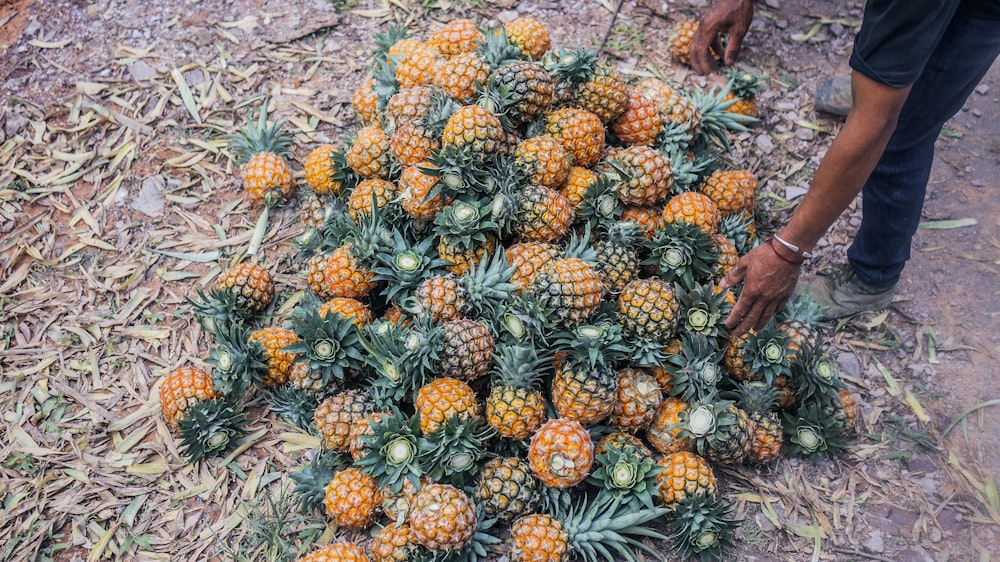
(730,17)
(768,282)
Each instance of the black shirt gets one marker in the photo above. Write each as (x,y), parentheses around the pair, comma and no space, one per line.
(897,37)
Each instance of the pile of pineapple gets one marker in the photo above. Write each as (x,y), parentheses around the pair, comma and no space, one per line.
(513,339)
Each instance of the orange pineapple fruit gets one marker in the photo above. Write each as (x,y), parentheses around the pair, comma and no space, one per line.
(461,75)
(417,65)
(321,170)
(412,143)
(732,191)
(474,128)
(583,394)
(444,398)
(543,161)
(638,398)
(538,538)
(647,177)
(529,35)
(456,37)
(578,181)
(337,552)
(393,543)
(352,309)
(442,296)
(279,363)
(181,389)
(336,416)
(528,258)
(359,202)
(685,475)
(571,288)
(261,150)
(543,214)
(365,101)
(674,106)
(680,39)
(443,518)
(351,498)
(369,154)
(316,275)
(641,123)
(415,187)
(345,277)
(693,208)
(561,453)
(647,217)
(580,132)
(648,309)
(250,284)
(663,432)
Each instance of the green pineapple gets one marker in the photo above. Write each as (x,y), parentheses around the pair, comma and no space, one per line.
(719,430)
(617,256)
(506,488)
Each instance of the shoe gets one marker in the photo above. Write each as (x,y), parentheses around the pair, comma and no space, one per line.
(833,95)
(842,294)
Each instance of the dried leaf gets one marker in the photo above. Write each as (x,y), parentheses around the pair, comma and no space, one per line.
(49,44)
(186,96)
(947,224)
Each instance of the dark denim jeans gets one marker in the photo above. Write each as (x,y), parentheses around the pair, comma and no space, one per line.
(893,196)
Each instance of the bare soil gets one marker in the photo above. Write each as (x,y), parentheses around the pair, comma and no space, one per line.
(115,204)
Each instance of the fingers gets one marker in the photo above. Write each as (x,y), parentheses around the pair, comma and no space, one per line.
(765,317)
(732,49)
(733,278)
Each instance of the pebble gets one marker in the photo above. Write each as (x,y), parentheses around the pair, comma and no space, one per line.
(982,89)
(849,364)
(875,543)
(151,199)
(141,71)
(764,143)
(803,133)
(916,554)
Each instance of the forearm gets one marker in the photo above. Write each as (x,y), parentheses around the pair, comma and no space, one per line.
(849,161)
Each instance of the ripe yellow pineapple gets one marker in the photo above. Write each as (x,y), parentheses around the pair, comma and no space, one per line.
(543,161)
(369,154)
(351,498)
(571,288)
(261,150)
(418,64)
(561,453)
(580,132)
(183,388)
(674,106)
(345,277)
(648,309)
(442,518)
(542,214)
(663,432)
(680,39)
(693,208)
(474,128)
(412,143)
(365,101)
(456,37)
(582,393)
(444,398)
(461,75)
(529,35)
(647,217)
(578,181)
(279,362)
(538,537)
(325,169)
(372,190)
(393,543)
(415,188)
(641,123)
(515,407)
(350,308)
(685,475)
(192,406)
(336,416)
(528,258)
(644,175)
(732,191)
(336,552)
(639,397)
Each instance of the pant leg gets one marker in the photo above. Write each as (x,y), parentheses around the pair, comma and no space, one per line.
(893,196)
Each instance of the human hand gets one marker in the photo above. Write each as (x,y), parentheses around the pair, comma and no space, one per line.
(768,282)
(730,17)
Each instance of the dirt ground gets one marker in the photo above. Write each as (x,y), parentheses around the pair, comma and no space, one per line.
(117,200)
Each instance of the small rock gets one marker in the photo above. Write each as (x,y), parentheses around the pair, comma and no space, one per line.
(194,77)
(795,191)
(773,4)
(764,143)
(151,199)
(806,134)
(836,29)
(875,543)
(921,462)
(904,519)
(982,89)
(13,123)
(916,554)
(141,71)
(849,364)
(507,16)
(934,534)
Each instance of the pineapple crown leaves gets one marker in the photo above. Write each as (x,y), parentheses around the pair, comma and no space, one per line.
(372,235)
(394,450)
(572,65)
(689,172)
(496,50)
(601,206)
(385,40)
(330,234)
(704,311)
(737,227)
(404,357)
(405,265)
(255,138)
(813,433)
(294,405)
(467,223)
(312,479)
(814,372)
(330,343)
(745,84)
(802,308)
(442,106)
(220,307)
(524,319)
(237,363)
(695,372)
(519,366)
(208,428)
(578,246)
(755,396)
(716,121)
(453,453)
(708,421)
(647,352)
(596,344)
(673,141)
(683,254)
(767,351)
(629,474)
(459,171)
(702,527)
(386,85)
(487,284)
(609,528)
(481,545)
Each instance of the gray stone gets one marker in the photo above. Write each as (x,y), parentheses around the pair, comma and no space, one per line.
(194,77)
(805,133)
(13,123)
(773,4)
(916,553)
(141,71)
(151,197)
(795,191)
(904,519)
(849,364)
(875,543)
(765,144)
(982,89)
(921,462)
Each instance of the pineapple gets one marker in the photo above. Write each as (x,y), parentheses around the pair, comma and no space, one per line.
(461,75)
(272,342)
(705,310)
(695,370)
(241,292)
(580,132)
(237,363)
(729,256)
(644,175)
(391,447)
(519,90)
(408,105)
(417,65)
(719,430)
(393,543)
(759,355)
(529,35)
(570,286)
(444,398)
(693,208)
(351,498)
(629,473)
(329,343)
(370,154)
(578,183)
(403,267)
(639,396)
(682,253)
(365,101)
(483,288)
(527,259)
(732,191)
(740,230)
(456,37)
(641,123)
(515,407)
(337,415)
(312,479)
(506,488)
(466,234)
(685,475)
(371,193)
(315,211)
(702,527)
(442,518)
(664,431)
(680,39)
(327,171)
(623,443)
(412,143)
(593,84)
(345,276)
(352,309)
(417,192)
(649,309)
(674,106)
(474,128)
(542,161)
(744,88)
(336,552)
(466,349)
(617,257)
(561,453)
(191,406)
(801,320)
(758,401)
(452,454)
(812,432)
(589,530)
(541,214)
(261,151)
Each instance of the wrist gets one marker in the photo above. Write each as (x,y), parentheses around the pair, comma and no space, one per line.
(789,243)
(784,254)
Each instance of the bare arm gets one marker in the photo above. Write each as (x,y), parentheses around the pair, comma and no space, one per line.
(769,279)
